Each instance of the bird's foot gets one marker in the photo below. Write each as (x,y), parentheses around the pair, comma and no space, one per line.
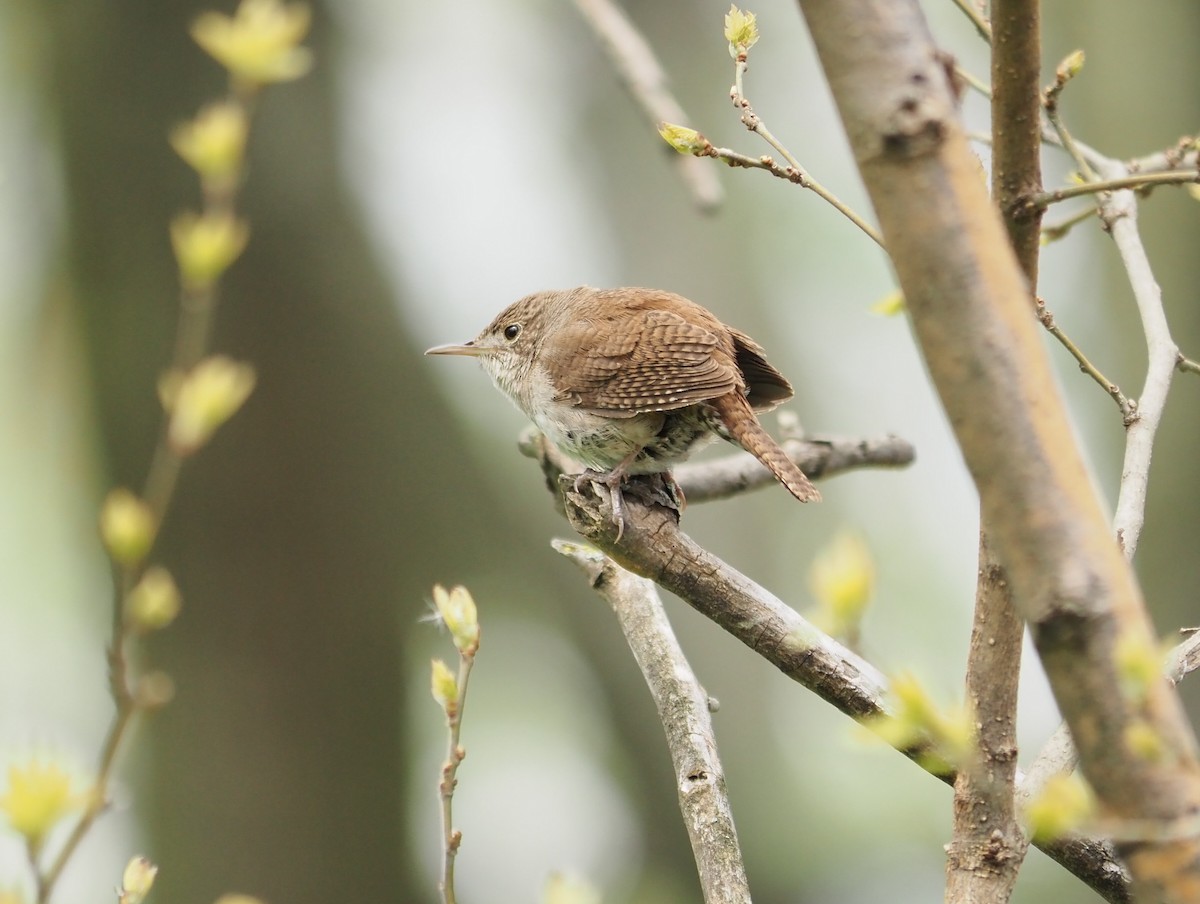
(650,489)
(610,480)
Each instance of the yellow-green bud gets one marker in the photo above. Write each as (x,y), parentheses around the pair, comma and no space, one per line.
(443,685)
(205,246)
(214,142)
(205,399)
(1139,663)
(154,602)
(260,43)
(1071,66)
(127,527)
(564,889)
(458,613)
(136,881)
(842,578)
(683,139)
(741,31)
(38,796)
(890,305)
(1145,741)
(1063,805)
(919,720)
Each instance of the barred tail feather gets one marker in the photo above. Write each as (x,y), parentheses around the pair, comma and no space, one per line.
(743,427)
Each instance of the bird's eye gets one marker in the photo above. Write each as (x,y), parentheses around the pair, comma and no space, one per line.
(512,331)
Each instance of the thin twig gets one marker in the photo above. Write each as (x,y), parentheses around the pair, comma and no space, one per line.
(1056,231)
(1187,365)
(754,123)
(683,709)
(1185,152)
(1128,408)
(452,837)
(1135,181)
(1050,97)
(974,82)
(197,308)
(98,800)
(635,63)
(977,19)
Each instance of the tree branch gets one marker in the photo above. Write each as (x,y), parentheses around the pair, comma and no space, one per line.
(683,710)
(653,547)
(1133,181)
(1127,408)
(739,472)
(988,847)
(752,121)
(970,306)
(1119,213)
(818,456)
(985,855)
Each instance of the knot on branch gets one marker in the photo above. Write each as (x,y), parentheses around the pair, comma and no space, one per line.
(917,123)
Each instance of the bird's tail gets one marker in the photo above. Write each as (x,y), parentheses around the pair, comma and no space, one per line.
(743,427)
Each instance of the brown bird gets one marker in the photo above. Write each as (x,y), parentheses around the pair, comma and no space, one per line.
(632,381)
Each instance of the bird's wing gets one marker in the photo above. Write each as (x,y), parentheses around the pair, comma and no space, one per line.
(765,386)
(648,360)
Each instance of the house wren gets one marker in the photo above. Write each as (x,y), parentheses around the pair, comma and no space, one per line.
(632,381)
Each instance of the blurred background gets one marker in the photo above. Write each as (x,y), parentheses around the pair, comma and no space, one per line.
(440,161)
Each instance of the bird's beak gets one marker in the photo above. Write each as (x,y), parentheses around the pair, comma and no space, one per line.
(470,349)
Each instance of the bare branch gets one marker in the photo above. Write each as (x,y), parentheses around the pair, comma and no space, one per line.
(1066,71)
(818,456)
(1187,365)
(1055,231)
(1119,213)
(634,61)
(653,546)
(1134,181)
(1016,130)
(1185,152)
(1184,658)
(683,709)
(1128,409)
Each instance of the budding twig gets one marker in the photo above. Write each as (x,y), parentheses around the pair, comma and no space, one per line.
(634,61)
(752,121)
(457,611)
